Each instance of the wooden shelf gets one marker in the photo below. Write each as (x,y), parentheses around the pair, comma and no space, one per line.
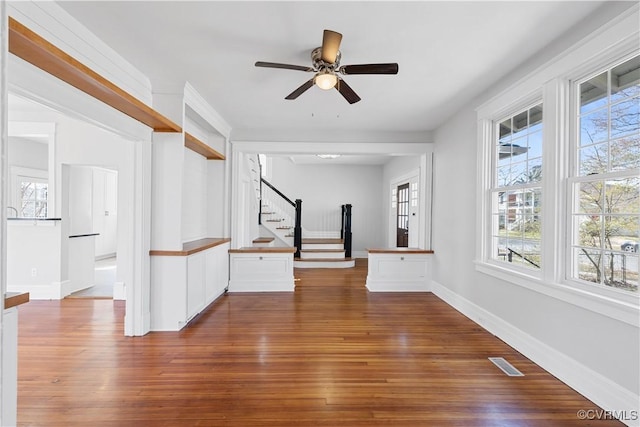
(190,248)
(272,250)
(34,49)
(13,299)
(194,144)
(399,251)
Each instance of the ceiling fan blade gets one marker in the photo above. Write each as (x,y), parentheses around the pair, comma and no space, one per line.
(391,68)
(346,91)
(302,89)
(283,66)
(330,46)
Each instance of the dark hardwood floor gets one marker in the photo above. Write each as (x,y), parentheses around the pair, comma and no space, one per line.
(329,354)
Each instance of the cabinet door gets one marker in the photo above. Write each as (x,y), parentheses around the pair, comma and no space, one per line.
(195,284)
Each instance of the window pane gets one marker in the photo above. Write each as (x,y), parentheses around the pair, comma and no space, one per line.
(504,131)
(40,210)
(27,209)
(534,173)
(589,230)
(593,159)
(593,127)
(588,265)
(625,153)
(625,118)
(41,191)
(535,118)
(520,124)
(534,142)
(621,270)
(504,176)
(27,190)
(625,79)
(593,93)
(518,173)
(590,197)
(621,196)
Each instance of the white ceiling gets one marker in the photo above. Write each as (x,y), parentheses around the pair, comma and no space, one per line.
(448,53)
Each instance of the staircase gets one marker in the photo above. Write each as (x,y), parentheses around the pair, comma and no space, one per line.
(280,225)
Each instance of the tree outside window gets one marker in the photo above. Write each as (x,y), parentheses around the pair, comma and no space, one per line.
(606,214)
(33,199)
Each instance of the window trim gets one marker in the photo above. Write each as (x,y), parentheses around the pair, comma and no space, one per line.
(552,83)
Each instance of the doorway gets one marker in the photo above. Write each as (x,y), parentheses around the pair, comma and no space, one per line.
(402,216)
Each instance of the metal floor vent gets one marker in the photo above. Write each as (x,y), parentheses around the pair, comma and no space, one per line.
(506,367)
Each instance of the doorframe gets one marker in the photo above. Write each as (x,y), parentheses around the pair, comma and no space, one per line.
(36,85)
(423,175)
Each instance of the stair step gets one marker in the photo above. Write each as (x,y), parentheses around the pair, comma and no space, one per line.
(268,213)
(322,241)
(325,263)
(273,220)
(284,228)
(263,242)
(322,254)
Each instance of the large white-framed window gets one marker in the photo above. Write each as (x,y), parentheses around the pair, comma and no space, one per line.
(589,213)
(516,189)
(605,180)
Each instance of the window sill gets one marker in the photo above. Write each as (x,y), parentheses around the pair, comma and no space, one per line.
(625,309)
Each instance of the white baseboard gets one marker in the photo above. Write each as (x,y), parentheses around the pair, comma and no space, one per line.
(53,291)
(602,391)
(397,285)
(261,286)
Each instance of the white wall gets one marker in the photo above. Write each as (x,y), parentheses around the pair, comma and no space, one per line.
(324,188)
(28,154)
(588,349)
(194,196)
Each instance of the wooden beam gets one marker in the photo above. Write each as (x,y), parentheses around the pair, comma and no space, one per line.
(34,49)
(194,144)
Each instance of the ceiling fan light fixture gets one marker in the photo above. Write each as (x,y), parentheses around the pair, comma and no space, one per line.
(326,80)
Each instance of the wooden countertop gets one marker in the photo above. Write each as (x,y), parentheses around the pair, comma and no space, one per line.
(264,250)
(399,251)
(189,248)
(13,299)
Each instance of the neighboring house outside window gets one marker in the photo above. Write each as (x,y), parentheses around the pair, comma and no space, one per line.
(517,188)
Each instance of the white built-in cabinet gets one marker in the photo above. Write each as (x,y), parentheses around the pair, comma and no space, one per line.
(399,270)
(185,282)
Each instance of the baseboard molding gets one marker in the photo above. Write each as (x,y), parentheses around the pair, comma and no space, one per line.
(261,286)
(602,391)
(378,285)
(53,291)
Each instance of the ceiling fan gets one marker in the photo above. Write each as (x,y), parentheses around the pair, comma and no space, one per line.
(326,66)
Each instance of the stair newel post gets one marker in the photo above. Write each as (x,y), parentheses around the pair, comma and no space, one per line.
(297,231)
(342,225)
(260,208)
(347,231)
